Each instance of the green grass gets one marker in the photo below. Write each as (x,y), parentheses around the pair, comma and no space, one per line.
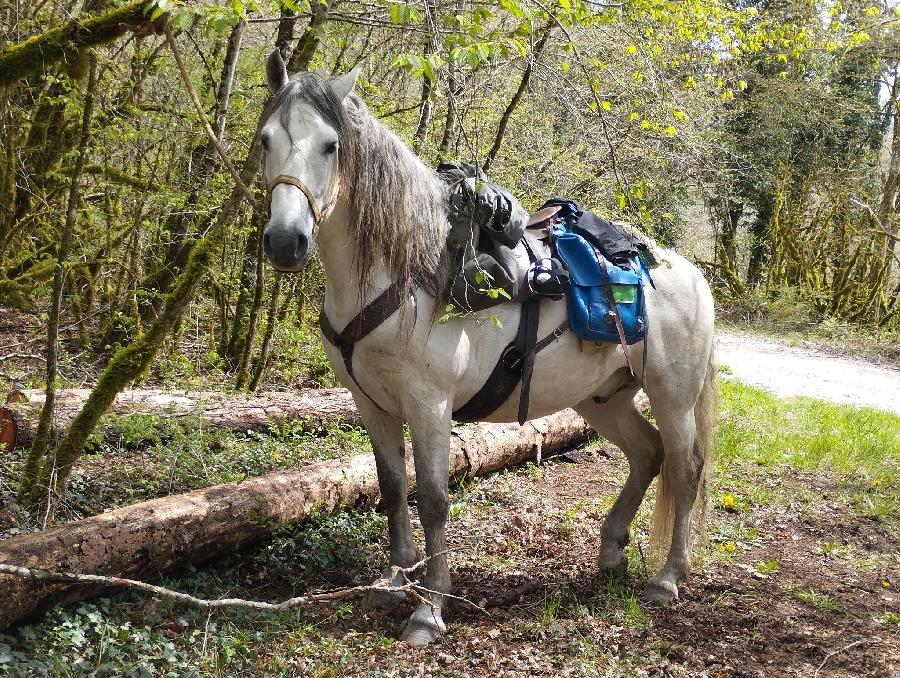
(820,601)
(765,447)
(859,446)
(807,434)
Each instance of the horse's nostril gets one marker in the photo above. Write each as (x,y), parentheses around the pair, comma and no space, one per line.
(285,247)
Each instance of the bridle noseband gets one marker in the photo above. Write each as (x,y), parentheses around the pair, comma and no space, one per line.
(294,181)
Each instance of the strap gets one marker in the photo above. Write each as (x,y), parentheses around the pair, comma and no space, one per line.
(500,384)
(553,336)
(503,379)
(610,298)
(527,340)
(362,324)
(294,181)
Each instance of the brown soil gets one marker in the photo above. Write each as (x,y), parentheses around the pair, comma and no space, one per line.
(528,540)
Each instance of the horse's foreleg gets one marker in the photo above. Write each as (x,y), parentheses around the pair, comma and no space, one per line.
(677,494)
(620,422)
(386,434)
(430,432)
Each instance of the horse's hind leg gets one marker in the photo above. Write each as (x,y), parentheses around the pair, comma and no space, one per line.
(386,434)
(620,422)
(676,496)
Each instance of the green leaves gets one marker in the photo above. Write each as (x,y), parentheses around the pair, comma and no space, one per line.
(402,14)
(213,19)
(418,65)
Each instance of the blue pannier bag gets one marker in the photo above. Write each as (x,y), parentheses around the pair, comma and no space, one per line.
(590,316)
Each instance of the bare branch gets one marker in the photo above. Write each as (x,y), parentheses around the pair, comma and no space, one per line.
(857,643)
(206,126)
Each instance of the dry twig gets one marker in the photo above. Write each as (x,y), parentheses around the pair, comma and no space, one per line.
(409,588)
(857,643)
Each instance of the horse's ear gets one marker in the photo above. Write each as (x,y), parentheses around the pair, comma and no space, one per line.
(344,84)
(276,72)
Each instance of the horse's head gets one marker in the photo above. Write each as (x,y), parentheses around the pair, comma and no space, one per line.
(301,141)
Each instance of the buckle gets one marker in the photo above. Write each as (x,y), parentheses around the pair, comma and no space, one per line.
(511,358)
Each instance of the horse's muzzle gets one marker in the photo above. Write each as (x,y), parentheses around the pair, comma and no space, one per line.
(286,247)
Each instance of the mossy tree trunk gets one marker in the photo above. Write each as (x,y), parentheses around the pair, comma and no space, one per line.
(249,332)
(180,222)
(41,443)
(39,52)
(262,360)
(125,366)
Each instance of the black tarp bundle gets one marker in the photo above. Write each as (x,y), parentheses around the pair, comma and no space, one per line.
(611,239)
(486,224)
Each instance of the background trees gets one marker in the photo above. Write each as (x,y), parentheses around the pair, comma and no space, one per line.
(757,135)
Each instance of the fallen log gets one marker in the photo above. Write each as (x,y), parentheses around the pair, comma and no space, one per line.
(232,411)
(148,539)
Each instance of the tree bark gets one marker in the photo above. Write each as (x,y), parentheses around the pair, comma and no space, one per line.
(262,361)
(42,437)
(514,102)
(234,412)
(38,52)
(126,366)
(148,539)
(426,103)
(309,41)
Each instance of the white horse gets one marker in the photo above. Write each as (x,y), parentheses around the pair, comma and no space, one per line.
(341,180)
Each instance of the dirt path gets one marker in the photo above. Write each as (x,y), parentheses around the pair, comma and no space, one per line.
(789,371)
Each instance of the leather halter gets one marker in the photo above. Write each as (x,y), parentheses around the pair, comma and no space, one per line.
(294,181)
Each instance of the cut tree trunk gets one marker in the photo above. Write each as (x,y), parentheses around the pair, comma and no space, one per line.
(236,412)
(148,539)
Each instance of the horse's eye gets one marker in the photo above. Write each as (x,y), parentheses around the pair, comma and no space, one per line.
(330,148)
(264,140)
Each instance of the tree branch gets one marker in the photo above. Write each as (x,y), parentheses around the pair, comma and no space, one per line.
(213,139)
(38,52)
(410,588)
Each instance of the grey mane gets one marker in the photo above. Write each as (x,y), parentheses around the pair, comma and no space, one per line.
(397,204)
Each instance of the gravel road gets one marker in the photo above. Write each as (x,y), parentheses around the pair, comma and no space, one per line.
(789,371)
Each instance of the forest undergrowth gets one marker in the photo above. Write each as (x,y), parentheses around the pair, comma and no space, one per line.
(800,561)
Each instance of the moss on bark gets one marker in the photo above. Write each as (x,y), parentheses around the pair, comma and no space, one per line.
(38,52)
(128,364)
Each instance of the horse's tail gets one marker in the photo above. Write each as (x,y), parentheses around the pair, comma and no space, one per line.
(705,411)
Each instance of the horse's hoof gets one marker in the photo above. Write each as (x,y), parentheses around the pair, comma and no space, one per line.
(424,627)
(661,592)
(613,564)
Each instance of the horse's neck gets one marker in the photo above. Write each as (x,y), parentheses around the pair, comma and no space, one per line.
(342,294)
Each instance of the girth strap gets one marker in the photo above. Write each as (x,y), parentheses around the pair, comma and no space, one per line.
(527,337)
(370,317)
(509,371)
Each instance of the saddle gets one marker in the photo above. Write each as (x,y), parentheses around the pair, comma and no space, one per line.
(559,251)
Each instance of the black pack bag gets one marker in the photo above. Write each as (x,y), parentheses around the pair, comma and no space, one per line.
(612,240)
(486,223)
